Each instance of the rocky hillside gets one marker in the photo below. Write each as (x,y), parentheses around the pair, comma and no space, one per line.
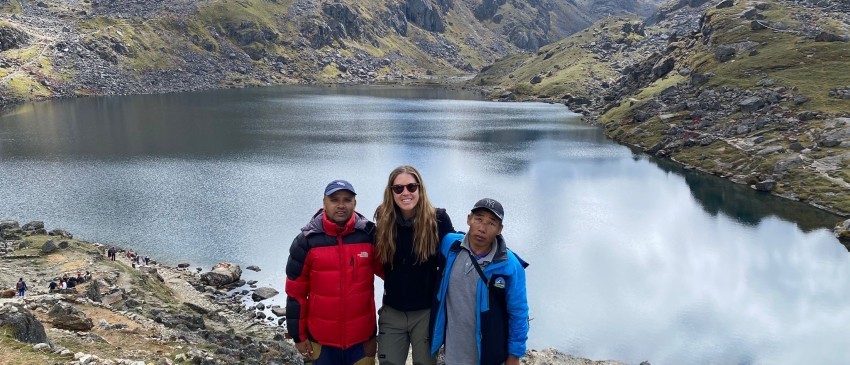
(754,91)
(57,48)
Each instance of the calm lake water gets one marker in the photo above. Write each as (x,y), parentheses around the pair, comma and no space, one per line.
(631,258)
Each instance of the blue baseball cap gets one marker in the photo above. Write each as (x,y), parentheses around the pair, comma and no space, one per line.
(338,185)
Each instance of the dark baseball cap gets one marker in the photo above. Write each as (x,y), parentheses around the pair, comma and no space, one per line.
(491,205)
(338,185)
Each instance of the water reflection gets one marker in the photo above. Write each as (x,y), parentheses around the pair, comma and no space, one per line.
(632,258)
(749,207)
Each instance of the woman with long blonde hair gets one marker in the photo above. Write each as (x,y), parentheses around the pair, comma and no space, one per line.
(409,230)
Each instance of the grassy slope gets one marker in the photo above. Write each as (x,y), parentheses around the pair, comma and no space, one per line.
(565,65)
(805,67)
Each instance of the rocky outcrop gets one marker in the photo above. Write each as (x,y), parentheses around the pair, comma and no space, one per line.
(427,14)
(25,327)
(69,318)
(11,37)
(222,274)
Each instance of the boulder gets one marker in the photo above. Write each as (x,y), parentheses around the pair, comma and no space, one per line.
(758,25)
(830,37)
(61,233)
(725,4)
(23,324)
(724,53)
(253,268)
(113,298)
(788,163)
(765,186)
(751,104)
(8,293)
(190,321)
(263,294)
(279,311)
(69,318)
(222,274)
(32,226)
(183,265)
(49,246)
(6,224)
(663,67)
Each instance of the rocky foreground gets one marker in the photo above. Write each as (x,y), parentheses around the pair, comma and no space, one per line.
(129,313)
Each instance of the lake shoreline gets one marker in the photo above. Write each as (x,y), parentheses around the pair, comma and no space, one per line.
(141,314)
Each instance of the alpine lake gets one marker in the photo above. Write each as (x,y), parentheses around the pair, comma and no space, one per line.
(632,258)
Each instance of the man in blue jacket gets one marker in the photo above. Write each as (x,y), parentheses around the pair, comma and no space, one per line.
(482,310)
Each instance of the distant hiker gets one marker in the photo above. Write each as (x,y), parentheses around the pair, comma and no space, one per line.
(147,260)
(52,286)
(330,283)
(88,276)
(482,311)
(21,286)
(63,284)
(80,277)
(111,253)
(72,282)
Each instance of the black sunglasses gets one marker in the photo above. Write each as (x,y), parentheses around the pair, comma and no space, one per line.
(398,189)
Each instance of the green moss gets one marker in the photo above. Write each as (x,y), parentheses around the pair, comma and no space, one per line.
(810,68)
(26,87)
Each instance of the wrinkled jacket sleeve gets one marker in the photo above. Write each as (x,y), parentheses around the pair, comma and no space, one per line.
(517,311)
(297,289)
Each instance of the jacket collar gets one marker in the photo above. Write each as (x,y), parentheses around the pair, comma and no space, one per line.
(320,224)
(501,249)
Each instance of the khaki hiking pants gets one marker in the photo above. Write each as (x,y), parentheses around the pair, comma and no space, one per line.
(398,331)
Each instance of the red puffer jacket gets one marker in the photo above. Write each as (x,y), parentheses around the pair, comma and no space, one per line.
(330,282)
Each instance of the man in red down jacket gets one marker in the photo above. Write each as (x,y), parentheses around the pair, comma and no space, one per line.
(330,276)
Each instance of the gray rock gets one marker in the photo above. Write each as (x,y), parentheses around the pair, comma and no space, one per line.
(751,104)
(222,274)
(67,317)
(32,226)
(253,268)
(23,324)
(61,233)
(190,321)
(49,246)
(724,53)
(786,164)
(279,311)
(263,294)
(830,37)
(769,150)
(765,186)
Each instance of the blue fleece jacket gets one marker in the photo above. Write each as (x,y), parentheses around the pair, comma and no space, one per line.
(502,318)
